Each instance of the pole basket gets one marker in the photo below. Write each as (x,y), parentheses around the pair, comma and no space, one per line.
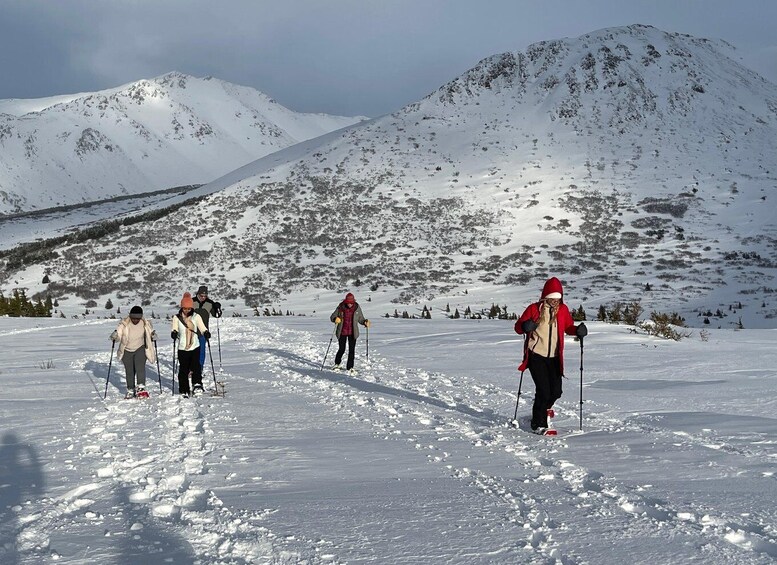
(220,390)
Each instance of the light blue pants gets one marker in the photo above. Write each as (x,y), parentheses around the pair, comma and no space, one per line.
(203,342)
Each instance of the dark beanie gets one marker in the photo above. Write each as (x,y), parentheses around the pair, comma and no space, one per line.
(202,290)
(136,312)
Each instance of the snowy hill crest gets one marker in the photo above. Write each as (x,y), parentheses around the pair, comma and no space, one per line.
(627,75)
(148,135)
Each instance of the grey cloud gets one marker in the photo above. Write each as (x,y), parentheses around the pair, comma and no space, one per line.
(339,56)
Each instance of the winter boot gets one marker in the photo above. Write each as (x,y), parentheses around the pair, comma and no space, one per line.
(198,390)
(130,394)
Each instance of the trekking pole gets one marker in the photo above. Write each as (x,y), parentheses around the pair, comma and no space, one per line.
(517,400)
(520,384)
(368,342)
(172,381)
(158,372)
(327,348)
(581,384)
(212,370)
(218,339)
(105,395)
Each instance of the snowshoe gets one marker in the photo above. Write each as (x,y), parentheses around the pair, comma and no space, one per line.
(198,391)
(551,413)
(545,432)
(142,393)
(130,394)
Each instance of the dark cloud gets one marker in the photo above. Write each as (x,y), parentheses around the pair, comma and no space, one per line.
(335,56)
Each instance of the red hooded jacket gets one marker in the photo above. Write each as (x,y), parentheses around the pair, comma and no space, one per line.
(564,322)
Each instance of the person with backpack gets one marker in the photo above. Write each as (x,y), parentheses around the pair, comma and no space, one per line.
(544,325)
(347,317)
(187,327)
(135,335)
(205,308)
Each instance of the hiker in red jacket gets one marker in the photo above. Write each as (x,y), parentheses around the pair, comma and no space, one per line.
(544,324)
(347,317)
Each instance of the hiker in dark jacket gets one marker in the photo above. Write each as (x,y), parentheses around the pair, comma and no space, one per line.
(347,316)
(205,308)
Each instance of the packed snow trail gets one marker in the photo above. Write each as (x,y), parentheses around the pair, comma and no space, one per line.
(434,413)
(400,463)
(138,465)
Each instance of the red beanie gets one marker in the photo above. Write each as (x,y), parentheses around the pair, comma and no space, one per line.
(552,288)
(349,299)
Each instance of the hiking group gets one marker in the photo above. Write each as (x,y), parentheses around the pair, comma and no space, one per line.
(189,330)
(543,324)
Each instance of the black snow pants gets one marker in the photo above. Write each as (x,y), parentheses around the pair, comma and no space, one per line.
(351,350)
(189,361)
(546,374)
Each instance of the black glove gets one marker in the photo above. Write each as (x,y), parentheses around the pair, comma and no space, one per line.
(217,309)
(581,330)
(529,326)
(174,335)
(207,335)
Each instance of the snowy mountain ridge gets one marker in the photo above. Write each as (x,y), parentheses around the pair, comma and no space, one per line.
(630,162)
(148,135)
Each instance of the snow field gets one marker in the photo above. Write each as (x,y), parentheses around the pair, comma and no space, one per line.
(408,461)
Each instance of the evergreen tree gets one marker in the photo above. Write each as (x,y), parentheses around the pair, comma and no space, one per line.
(19,305)
(579,314)
(616,313)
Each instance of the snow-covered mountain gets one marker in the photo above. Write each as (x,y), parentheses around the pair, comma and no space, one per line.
(152,134)
(630,162)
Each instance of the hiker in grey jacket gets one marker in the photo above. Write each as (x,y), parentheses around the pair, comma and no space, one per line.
(347,316)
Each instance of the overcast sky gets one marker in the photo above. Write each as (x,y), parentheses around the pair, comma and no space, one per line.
(349,57)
